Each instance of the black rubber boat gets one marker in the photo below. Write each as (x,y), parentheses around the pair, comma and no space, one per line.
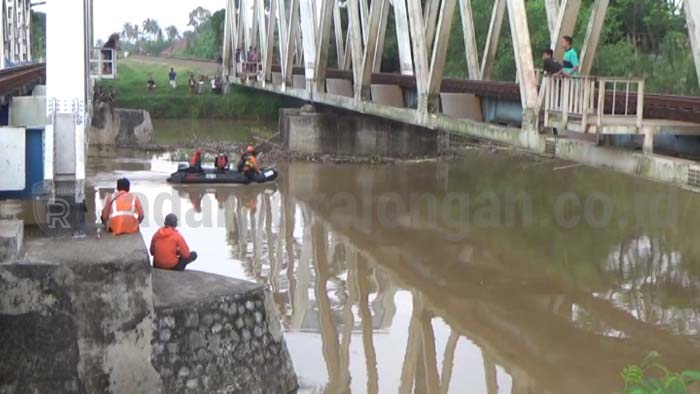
(210,175)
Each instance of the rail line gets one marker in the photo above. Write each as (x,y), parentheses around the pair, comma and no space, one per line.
(12,80)
(656,106)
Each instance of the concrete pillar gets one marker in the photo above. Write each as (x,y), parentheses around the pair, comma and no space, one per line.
(68,87)
(595,27)
(649,132)
(338,28)
(692,15)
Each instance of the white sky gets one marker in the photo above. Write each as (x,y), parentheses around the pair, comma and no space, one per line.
(110,15)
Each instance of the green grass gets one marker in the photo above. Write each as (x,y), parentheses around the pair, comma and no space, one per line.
(165,102)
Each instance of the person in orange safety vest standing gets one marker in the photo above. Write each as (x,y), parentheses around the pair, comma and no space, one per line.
(122,212)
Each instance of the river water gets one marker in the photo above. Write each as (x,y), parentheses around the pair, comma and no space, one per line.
(489,273)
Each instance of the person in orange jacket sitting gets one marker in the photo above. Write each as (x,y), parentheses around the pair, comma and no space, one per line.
(122,212)
(196,161)
(169,249)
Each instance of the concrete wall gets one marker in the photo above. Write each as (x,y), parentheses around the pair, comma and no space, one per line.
(118,126)
(82,316)
(77,317)
(353,134)
(215,333)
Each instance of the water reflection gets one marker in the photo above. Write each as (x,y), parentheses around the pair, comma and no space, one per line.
(378,308)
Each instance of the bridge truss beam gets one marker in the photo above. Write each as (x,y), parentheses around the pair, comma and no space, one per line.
(16,32)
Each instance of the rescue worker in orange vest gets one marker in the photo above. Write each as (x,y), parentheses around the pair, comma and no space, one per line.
(221,162)
(250,167)
(244,157)
(122,212)
(196,161)
(169,249)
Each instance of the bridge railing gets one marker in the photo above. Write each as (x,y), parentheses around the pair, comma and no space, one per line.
(593,103)
(103,63)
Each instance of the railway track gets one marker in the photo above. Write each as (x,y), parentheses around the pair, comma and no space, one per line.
(14,80)
(656,106)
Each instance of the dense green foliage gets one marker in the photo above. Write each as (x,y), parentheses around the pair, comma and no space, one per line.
(38,35)
(650,377)
(207,42)
(165,102)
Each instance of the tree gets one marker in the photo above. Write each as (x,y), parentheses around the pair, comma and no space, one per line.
(172,33)
(151,27)
(198,17)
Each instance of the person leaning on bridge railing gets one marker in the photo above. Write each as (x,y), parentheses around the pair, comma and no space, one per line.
(570,63)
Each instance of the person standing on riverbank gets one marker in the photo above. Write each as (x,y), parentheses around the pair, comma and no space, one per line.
(191,84)
(168,247)
(122,212)
(172,75)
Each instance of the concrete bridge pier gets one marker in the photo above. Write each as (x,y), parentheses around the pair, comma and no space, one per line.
(326,131)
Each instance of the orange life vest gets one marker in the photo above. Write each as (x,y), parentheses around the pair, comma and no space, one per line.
(123,212)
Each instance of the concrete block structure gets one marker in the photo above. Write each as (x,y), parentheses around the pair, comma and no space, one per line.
(91,316)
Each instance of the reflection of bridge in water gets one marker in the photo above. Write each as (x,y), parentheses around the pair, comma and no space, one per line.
(548,333)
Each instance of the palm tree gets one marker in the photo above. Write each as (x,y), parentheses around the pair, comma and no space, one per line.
(172,33)
(151,27)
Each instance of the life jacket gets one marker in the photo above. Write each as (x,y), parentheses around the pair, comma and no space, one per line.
(242,161)
(124,212)
(221,161)
(196,159)
(251,164)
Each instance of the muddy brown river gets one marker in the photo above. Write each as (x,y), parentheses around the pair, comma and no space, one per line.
(489,273)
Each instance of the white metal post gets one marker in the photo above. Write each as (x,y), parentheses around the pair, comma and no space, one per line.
(67,87)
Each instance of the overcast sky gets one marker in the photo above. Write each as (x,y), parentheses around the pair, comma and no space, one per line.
(110,15)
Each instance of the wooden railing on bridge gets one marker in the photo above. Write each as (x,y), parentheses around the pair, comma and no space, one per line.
(593,104)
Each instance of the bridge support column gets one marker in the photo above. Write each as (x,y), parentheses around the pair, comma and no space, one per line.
(352,134)
(68,87)
(692,15)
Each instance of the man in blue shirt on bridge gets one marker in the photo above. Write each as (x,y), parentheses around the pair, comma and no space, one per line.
(570,62)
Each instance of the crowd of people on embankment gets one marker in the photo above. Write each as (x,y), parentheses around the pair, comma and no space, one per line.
(195,85)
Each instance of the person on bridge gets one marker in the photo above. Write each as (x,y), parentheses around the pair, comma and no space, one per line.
(570,63)
(168,247)
(122,212)
(551,66)
(196,161)
(172,75)
(221,162)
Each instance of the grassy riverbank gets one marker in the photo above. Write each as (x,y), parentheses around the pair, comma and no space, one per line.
(165,102)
